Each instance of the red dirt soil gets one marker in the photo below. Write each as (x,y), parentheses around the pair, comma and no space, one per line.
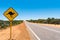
(19,32)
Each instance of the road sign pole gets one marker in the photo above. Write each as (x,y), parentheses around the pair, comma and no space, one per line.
(10,14)
(10,30)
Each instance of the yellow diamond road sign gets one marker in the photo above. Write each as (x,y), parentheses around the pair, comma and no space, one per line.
(10,14)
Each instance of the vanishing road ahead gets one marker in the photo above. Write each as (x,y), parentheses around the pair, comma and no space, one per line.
(44,32)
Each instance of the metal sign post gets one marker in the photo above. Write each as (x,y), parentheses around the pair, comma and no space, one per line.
(10,30)
(10,14)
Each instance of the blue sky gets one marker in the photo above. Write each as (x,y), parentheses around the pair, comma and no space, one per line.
(31,9)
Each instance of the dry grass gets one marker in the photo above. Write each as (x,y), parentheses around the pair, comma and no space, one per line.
(50,25)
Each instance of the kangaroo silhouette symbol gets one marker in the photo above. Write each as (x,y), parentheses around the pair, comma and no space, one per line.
(11,14)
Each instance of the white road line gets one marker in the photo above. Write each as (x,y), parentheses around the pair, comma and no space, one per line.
(32,31)
(51,29)
(48,28)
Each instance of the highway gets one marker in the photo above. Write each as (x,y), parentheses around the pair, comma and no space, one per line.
(44,32)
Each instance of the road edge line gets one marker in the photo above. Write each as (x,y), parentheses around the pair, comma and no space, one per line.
(31,31)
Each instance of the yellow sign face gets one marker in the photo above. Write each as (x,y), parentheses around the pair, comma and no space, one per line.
(10,14)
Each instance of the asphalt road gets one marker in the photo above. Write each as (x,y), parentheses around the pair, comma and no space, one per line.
(43,32)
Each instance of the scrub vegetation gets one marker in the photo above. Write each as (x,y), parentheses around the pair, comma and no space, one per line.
(5,24)
(46,21)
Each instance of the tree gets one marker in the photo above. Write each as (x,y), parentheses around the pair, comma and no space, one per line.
(48,20)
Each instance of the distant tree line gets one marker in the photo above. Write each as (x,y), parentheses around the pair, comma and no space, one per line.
(47,21)
(5,24)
